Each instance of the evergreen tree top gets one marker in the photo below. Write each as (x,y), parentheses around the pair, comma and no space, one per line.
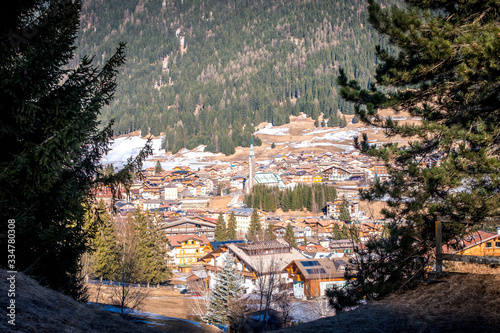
(446,73)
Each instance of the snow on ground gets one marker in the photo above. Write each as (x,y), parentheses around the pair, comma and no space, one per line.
(319,130)
(340,135)
(270,130)
(126,147)
(146,317)
(397,118)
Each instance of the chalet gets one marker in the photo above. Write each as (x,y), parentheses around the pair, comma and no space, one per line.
(480,243)
(342,246)
(171,214)
(369,230)
(151,193)
(125,207)
(148,204)
(337,172)
(333,208)
(186,226)
(379,170)
(253,260)
(305,177)
(279,231)
(301,231)
(312,277)
(187,249)
(319,228)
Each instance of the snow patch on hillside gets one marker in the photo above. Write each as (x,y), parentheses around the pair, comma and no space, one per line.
(126,147)
(269,129)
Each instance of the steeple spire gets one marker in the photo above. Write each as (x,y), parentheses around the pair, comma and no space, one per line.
(252,153)
(251,169)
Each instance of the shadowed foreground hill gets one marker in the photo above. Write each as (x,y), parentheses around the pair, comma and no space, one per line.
(39,309)
(451,303)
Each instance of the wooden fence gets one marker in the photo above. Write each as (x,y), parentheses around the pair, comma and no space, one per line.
(440,256)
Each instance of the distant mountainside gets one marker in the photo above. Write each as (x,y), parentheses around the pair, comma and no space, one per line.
(206,72)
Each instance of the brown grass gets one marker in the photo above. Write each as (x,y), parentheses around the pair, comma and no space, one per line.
(39,309)
(450,302)
(219,202)
(162,301)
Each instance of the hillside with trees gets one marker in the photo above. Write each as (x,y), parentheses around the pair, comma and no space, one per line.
(209,72)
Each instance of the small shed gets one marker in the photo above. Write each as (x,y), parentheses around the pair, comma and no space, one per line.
(185,268)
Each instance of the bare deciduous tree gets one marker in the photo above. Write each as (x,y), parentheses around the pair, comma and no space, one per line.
(284,305)
(199,305)
(268,282)
(319,307)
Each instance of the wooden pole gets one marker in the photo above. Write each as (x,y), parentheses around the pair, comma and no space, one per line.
(439,246)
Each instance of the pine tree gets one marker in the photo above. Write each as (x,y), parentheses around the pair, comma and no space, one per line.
(255,227)
(343,122)
(227,290)
(345,215)
(355,119)
(220,229)
(290,236)
(161,272)
(448,55)
(109,170)
(270,235)
(150,249)
(158,168)
(231,227)
(273,145)
(53,138)
(144,245)
(107,252)
(336,233)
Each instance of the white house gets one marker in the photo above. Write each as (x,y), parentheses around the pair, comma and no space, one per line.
(170,192)
(243,217)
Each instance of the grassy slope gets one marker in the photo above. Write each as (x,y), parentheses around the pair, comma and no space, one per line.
(453,302)
(39,309)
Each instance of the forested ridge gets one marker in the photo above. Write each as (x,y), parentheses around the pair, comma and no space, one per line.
(242,63)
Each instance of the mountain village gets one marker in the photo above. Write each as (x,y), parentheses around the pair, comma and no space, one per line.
(184,198)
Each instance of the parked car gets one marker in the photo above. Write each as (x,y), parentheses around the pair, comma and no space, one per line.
(184,291)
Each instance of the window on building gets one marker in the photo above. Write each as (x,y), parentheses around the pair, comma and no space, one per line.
(497,244)
(488,245)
